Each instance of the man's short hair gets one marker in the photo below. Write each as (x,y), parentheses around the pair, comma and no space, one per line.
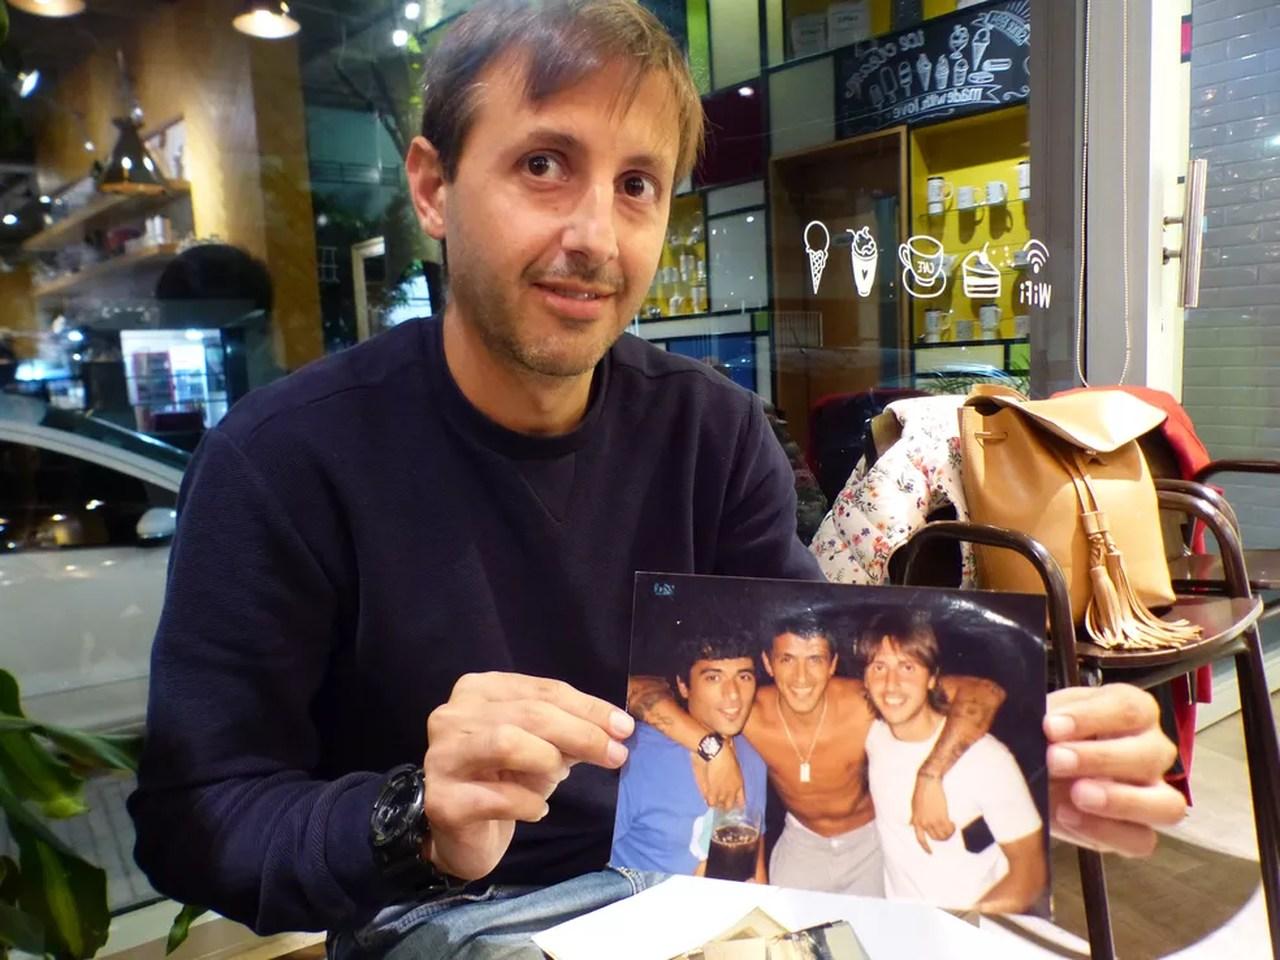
(726,645)
(911,632)
(805,623)
(561,42)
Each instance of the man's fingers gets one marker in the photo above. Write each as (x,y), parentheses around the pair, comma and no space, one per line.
(922,839)
(940,830)
(1136,759)
(1102,834)
(1113,710)
(577,739)
(1156,805)
(472,802)
(508,687)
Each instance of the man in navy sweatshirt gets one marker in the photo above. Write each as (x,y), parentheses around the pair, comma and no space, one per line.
(394,646)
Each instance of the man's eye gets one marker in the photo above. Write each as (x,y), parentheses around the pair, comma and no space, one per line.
(639,187)
(542,165)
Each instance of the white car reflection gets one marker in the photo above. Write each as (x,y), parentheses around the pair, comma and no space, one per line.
(86,516)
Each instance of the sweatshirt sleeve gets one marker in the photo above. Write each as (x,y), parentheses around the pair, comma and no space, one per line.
(758,529)
(228,812)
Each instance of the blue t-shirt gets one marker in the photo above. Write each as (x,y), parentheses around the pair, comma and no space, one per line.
(663,822)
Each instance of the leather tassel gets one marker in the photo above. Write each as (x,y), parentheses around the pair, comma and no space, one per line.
(1117,617)
(1104,616)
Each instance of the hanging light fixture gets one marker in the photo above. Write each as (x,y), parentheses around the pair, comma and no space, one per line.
(49,8)
(266,19)
(130,169)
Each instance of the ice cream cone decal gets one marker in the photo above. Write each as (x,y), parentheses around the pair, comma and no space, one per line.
(817,258)
(865,253)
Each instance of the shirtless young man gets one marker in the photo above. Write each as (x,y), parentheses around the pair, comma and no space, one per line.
(811,729)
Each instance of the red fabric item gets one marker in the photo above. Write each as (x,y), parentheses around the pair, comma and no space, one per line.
(1190,452)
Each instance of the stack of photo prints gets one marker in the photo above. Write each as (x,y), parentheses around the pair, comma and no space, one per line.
(888,742)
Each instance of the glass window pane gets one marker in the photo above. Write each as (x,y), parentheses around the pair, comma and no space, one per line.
(735,42)
(739,278)
(736,197)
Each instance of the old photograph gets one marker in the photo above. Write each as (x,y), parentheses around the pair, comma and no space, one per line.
(875,741)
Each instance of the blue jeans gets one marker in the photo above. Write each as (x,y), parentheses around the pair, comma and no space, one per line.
(493,923)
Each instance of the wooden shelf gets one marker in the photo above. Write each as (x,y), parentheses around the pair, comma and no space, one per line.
(73,283)
(102,211)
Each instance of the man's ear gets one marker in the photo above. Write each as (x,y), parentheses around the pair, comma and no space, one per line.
(835,662)
(683,688)
(427,186)
(764,658)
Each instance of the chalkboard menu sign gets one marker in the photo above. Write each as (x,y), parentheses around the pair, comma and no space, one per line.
(965,62)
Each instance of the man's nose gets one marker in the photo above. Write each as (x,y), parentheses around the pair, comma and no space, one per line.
(733,693)
(590,233)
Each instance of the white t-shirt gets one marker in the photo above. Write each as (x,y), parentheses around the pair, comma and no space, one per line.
(985,782)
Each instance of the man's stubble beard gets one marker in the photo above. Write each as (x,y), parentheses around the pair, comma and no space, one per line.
(496,322)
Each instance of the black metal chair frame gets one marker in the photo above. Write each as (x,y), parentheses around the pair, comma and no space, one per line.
(1198,486)
(1076,662)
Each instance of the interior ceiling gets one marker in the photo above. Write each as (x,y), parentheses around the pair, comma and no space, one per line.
(353,32)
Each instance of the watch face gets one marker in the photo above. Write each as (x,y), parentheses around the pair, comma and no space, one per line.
(395,807)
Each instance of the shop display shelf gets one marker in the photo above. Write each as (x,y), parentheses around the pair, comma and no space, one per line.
(1003,341)
(952,211)
(72,283)
(102,212)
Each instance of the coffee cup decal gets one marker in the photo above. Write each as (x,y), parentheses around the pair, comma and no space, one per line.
(980,276)
(922,273)
(865,253)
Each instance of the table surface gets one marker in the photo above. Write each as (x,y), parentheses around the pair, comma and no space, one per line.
(685,912)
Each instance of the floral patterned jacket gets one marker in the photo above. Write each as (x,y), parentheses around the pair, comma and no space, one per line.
(879,509)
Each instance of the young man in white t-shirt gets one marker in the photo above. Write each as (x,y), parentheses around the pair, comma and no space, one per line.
(999,868)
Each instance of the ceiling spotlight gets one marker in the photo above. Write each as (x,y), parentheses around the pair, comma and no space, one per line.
(49,8)
(399,38)
(746,91)
(267,20)
(412,11)
(28,80)
(9,220)
(90,146)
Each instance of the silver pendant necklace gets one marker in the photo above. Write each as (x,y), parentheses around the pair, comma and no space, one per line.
(805,769)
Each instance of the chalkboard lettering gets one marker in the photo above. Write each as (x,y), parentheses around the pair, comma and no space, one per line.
(974,59)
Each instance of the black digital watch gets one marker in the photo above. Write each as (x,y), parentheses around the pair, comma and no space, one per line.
(398,832)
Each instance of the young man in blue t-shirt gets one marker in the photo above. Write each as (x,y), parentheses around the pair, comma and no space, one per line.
(663,822)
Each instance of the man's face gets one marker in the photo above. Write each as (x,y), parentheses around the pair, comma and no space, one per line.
(898,684)
(556,217)
(720,693)
(801,667)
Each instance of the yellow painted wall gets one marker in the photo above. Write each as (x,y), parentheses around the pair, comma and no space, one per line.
(972,151)
(246,157)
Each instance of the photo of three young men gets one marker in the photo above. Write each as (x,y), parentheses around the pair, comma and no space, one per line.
(888,740)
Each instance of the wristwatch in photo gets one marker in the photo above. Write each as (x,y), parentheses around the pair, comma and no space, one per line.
(398,831)
(709,747)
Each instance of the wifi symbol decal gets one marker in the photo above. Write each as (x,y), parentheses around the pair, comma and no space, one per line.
(1037,255)
(1034,293)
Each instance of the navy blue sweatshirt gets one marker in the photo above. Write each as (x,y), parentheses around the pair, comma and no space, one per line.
(357,536)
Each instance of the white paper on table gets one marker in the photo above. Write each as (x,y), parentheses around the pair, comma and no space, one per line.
(682,913)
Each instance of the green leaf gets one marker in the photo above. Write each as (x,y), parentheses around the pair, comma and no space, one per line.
(20,930)
(21,818)
(182,927)
(114,751)
(34,773)
(66,894)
